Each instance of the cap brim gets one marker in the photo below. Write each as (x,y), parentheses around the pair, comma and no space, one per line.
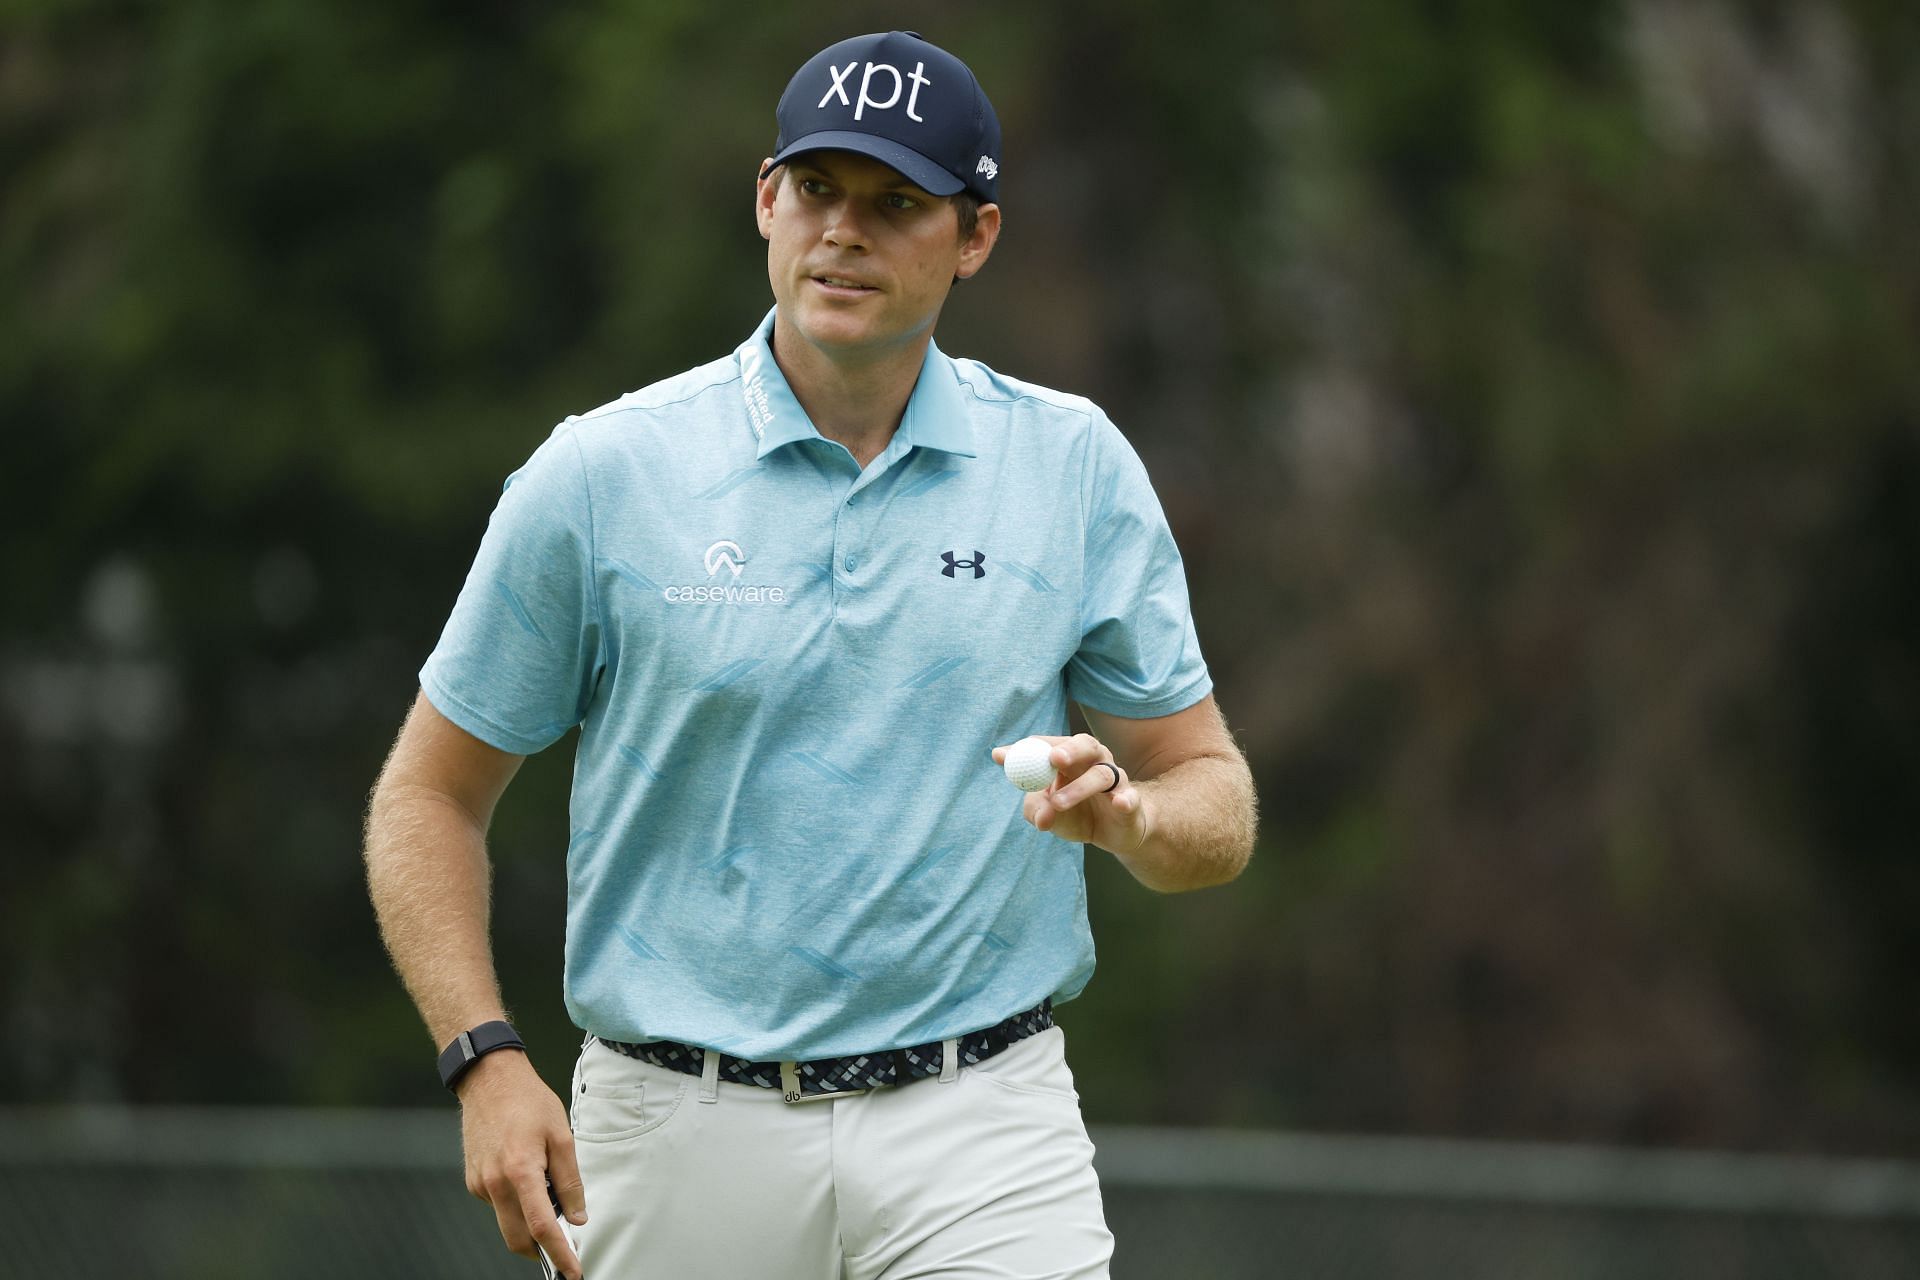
(917,169)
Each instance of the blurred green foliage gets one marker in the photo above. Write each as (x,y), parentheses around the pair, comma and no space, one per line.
(1532,388)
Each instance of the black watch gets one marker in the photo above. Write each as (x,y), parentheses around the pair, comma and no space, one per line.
(469,1046)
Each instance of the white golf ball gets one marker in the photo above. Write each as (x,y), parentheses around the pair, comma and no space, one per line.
(1027,765)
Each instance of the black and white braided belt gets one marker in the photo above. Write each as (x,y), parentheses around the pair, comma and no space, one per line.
(855,1073)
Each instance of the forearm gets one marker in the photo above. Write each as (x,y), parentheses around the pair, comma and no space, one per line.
(1199,818)
(428,876)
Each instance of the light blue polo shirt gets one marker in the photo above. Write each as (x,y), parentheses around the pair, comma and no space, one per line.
(789,839)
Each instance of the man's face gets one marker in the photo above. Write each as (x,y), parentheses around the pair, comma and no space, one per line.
(860,258)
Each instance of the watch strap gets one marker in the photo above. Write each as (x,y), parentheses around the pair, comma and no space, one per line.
(471,1045)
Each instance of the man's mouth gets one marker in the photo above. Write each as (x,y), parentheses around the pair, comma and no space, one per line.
(842,282)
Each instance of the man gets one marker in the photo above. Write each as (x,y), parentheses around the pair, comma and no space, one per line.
(799,601)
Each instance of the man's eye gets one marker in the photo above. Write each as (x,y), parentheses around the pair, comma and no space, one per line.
(897,201)
(813,186)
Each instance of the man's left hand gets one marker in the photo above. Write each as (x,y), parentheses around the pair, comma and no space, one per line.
(1091,801)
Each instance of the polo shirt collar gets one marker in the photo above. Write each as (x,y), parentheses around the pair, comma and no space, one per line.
(936,416)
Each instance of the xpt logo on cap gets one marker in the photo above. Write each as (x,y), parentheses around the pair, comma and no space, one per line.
(909,104)
(842,74)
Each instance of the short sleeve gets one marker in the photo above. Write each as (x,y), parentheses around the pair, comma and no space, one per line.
(518,660)
(1139,655)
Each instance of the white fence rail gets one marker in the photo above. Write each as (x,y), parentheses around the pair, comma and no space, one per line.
(209,1193)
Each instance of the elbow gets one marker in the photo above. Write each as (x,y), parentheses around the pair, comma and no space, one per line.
(1233,862)
(1213,842)
(1238,842)
(1223,867)
(1237,863)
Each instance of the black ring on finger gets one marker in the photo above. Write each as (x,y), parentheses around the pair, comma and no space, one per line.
(1112,769)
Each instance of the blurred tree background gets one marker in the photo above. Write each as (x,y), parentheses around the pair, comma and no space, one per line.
(1533,388)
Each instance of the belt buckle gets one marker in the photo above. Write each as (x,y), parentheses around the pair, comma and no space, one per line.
(790,1087)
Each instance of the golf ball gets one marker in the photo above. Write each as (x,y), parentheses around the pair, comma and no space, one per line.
(1027,765)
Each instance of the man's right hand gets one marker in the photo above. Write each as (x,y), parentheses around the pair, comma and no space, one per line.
(517,1142)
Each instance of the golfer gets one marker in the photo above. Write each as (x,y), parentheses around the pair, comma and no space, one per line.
(797,602)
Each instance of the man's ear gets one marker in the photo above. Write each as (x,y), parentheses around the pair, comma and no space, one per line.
(974,253)
(765,189)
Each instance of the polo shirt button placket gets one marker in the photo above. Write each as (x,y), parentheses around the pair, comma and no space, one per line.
(850,534)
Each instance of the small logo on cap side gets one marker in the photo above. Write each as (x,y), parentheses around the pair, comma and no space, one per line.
(988,167)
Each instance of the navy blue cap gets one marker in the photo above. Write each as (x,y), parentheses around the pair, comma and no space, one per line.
(909,104)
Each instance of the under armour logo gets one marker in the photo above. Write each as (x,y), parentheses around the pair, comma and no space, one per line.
(977,564)
(988,167)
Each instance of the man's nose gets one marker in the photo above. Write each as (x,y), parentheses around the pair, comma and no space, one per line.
(846,229)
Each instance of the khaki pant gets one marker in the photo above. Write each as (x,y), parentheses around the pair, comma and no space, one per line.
(988,1174)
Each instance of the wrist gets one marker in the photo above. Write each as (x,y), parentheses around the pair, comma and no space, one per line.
(1130,843)
(490,1074)
(1143,818)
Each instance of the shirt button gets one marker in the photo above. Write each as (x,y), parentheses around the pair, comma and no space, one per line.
(852,564)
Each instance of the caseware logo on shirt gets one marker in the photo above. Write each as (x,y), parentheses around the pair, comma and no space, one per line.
(724,554)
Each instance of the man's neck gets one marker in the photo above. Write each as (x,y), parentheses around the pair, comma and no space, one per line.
(858,403)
